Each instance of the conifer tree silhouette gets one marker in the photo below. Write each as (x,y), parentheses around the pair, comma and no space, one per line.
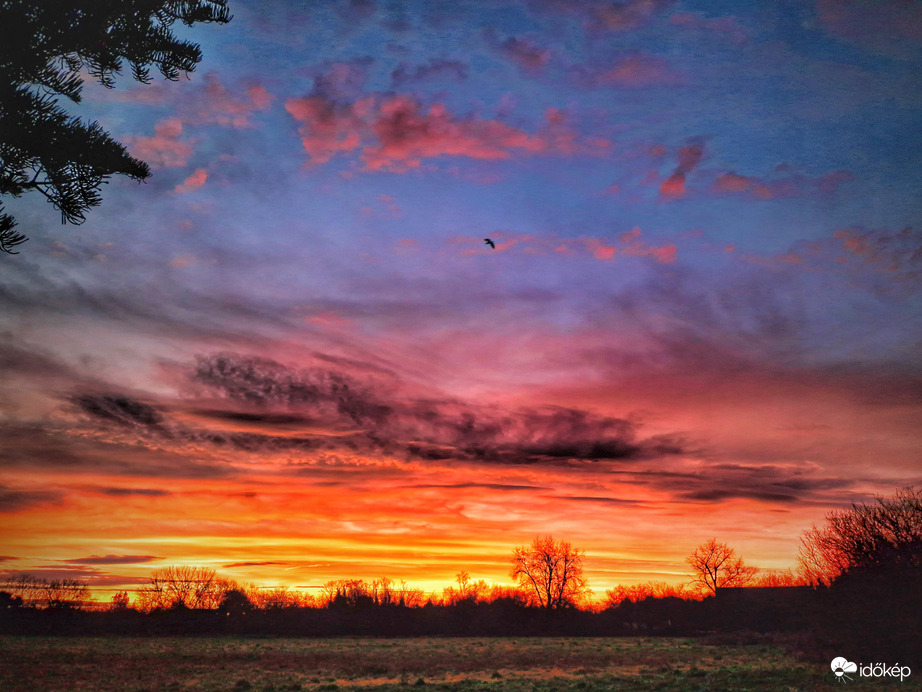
(44,48)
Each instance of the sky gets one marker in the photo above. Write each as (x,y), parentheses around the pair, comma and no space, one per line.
(291,357)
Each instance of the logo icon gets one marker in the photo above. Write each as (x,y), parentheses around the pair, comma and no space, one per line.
(840,666)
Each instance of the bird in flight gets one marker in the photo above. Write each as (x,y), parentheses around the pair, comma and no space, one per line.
(490,243)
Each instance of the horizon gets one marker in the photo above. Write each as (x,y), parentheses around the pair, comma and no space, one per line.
(292,356)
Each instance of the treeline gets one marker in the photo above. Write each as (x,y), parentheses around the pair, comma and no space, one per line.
(857,592)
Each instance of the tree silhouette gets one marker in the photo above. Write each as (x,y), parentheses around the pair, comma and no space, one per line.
(883,537)
(119,602)
(716,566)
(551,572)
(44,49)
(183,587)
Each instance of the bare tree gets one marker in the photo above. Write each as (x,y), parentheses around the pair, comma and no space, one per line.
(466,591)
(278,598)
(26,586)
(119,602)
(650,589)
(716,566)
(778,577)
(183,587)
(884,536)
(44,593)
(551,572)
(65,593)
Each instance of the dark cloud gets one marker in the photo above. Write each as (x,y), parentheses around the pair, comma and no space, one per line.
(251,564)
(384,421)
(523,52)
(119,409)
(775,483)
(5,558)
(112,559)
(490,486)
(342,80)
(13,500)
(34,447)
(124,492)
(601,500)
(436,70)
(19,360)
(330,394)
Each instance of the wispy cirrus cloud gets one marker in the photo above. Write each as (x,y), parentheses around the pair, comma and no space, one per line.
(627,244)
(111,560)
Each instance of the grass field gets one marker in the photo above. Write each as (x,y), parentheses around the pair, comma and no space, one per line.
(237,664)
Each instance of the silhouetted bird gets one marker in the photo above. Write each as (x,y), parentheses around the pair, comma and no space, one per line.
(490,243)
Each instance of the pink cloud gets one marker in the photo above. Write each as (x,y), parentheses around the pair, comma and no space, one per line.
(218,105)
(165,148)
(330,320)
(780,188)
(397,133)
(599,249)
(731,182)
(636,70)
(673,186)
(203,102)
(193,182)
(635,247)
(689,157)
(627,244)
(182,261)
(407,134)
(896,255)
(328,128)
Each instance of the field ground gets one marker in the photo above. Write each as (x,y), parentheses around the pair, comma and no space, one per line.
(235,664)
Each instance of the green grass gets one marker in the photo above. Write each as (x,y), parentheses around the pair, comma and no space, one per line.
(470,664)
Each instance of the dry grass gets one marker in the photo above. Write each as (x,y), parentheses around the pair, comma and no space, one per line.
(384,665)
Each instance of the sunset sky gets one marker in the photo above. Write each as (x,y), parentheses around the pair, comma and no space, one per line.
(291,357)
